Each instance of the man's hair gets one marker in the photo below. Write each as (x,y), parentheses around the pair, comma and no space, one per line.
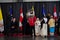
(31,13)
(31,10)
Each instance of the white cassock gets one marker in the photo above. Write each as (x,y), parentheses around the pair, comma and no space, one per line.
(37,27)
(1,27)
(28,13)
(44,28)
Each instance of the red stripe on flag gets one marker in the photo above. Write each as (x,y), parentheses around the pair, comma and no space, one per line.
(54,8)
(55,14)
(21,18)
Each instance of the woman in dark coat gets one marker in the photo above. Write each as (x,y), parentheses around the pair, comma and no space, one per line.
(14,26)
(59,26)
(56,27)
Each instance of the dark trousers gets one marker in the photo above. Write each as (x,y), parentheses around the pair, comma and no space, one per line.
(32,30)
(14,30)
(58,30)
(26,29)
(6,31)
(48,30)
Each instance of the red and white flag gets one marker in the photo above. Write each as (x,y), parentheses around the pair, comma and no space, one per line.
(21,18)
(55,14)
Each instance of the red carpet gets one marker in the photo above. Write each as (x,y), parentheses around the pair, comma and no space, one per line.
(1,35)
(17,35)
(21,35)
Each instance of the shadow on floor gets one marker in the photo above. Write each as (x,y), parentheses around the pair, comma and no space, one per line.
(29,38)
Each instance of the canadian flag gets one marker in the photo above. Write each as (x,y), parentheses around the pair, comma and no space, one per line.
(55,14)
(21,18)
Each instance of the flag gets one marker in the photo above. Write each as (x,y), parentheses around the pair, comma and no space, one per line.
(10,10)
(55,14)
(21,18)
(43,11)
(33,8)
(1,21)
(1,18)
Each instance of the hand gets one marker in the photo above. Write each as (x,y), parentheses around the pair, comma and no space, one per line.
(13,27)
(56,24)
(36,23)
(1,25)
(27,21)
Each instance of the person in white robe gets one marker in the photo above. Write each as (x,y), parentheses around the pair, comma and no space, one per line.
(44,27)
(1,22)
(1,26)
(37,27)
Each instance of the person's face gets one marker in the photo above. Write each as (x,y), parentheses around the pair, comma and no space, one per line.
(37,19)
(51,16)
(56,19)
(14,19)
(48,14)
(44,16)
(31,11)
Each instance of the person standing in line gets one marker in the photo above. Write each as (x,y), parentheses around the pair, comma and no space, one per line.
(48,17)
(37,27)
(31,20)
(58,26)
(1,26)
(14,28)
(44,27)
(51,26)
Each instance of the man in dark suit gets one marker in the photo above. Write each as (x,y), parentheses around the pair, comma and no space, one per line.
(48,16)
(58,31)
(14,26)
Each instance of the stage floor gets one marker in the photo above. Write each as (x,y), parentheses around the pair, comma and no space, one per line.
(29,38)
